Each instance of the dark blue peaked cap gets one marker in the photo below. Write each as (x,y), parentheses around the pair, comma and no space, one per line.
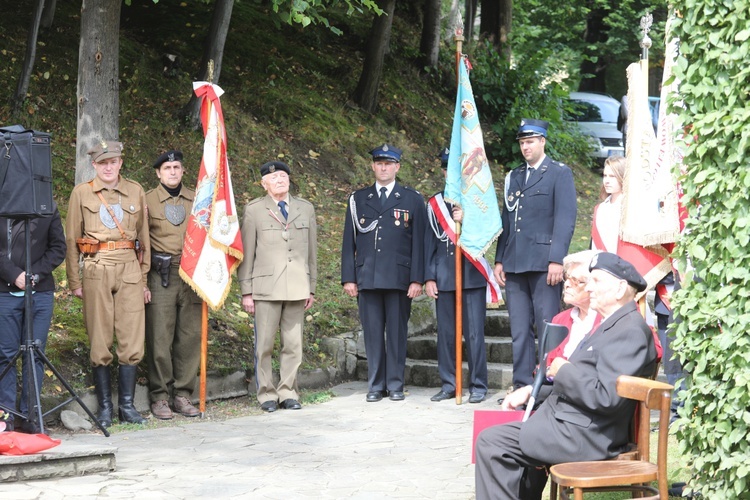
(532,128)
(386,152)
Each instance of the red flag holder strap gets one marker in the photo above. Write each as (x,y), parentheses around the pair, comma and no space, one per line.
(440,212)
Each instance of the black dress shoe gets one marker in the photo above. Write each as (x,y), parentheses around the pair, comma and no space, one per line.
(269,406)
(291,404)
(443,395)
(397,396)
(375,396)
(476,397)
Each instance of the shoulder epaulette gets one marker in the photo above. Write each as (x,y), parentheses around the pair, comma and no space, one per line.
(302,200)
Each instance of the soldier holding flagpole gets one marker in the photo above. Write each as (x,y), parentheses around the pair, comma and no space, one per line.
(440,284)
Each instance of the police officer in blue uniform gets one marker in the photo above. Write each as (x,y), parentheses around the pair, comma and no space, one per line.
(539,216)
(440,284)
(382,265)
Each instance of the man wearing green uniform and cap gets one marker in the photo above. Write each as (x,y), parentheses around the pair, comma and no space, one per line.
(173,315)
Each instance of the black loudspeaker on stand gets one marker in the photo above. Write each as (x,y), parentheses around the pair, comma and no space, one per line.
(25,154)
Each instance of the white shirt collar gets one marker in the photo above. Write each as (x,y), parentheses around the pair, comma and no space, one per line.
(536,165)
(388,188)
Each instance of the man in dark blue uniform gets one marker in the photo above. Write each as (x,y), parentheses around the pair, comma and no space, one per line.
(539,216)
(440,284)
(382,264)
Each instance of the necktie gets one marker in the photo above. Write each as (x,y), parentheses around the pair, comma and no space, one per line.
(383,196)
(282,207)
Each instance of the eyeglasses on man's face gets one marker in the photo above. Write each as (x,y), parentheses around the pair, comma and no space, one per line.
(577,282)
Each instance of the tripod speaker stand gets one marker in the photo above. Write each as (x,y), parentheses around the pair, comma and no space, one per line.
(31,350)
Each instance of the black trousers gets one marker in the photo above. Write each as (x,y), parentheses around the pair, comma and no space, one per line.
(474,314)
(531,301)
(384,315)
(502,471)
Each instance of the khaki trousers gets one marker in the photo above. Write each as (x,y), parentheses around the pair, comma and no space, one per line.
(173,336)
(113,304)
(271,316)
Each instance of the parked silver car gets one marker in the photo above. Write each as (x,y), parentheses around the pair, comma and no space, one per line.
(596,116)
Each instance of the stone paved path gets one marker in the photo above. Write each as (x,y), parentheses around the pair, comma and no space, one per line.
(344,448)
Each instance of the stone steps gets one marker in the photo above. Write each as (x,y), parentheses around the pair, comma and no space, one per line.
(421,354)
(424,347)
(424,373)
(65,460)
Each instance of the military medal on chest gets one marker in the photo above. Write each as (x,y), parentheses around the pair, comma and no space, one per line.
(401,216)
(107,219)
(175,214)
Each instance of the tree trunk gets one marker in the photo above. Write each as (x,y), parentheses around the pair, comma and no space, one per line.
(429,46)
(28,60)
(495,23)
(366,93)
(506,22)
(48,16)
(213,51)
(594,72)
(98,87)
(471,15)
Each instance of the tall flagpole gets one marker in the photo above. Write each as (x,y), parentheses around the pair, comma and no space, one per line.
(204,308)
(459,38)
(645,44)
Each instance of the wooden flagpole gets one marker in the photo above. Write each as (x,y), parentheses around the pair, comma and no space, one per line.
(459,38)
(204,357)
(204,315)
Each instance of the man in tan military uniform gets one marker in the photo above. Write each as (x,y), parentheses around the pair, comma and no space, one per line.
(277,279)
(173,315)
(106,223)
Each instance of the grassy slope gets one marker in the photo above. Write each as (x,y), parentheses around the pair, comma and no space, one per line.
(286,97)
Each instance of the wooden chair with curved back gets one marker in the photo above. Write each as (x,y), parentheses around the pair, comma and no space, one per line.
(625,475)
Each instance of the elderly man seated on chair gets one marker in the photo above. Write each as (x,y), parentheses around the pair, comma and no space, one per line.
(582,417)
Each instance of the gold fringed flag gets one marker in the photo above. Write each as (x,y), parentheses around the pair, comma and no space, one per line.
(649,211)
(650,221)
(213,245)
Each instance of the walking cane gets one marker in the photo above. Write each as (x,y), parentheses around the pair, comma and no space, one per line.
(552,337)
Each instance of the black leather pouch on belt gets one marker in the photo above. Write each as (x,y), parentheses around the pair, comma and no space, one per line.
(161,263)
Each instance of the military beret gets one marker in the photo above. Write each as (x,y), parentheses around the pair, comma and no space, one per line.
(171,155)
(274,166)
(104,150)
(386,152)
(619,268)
(532,128)
(444,154)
